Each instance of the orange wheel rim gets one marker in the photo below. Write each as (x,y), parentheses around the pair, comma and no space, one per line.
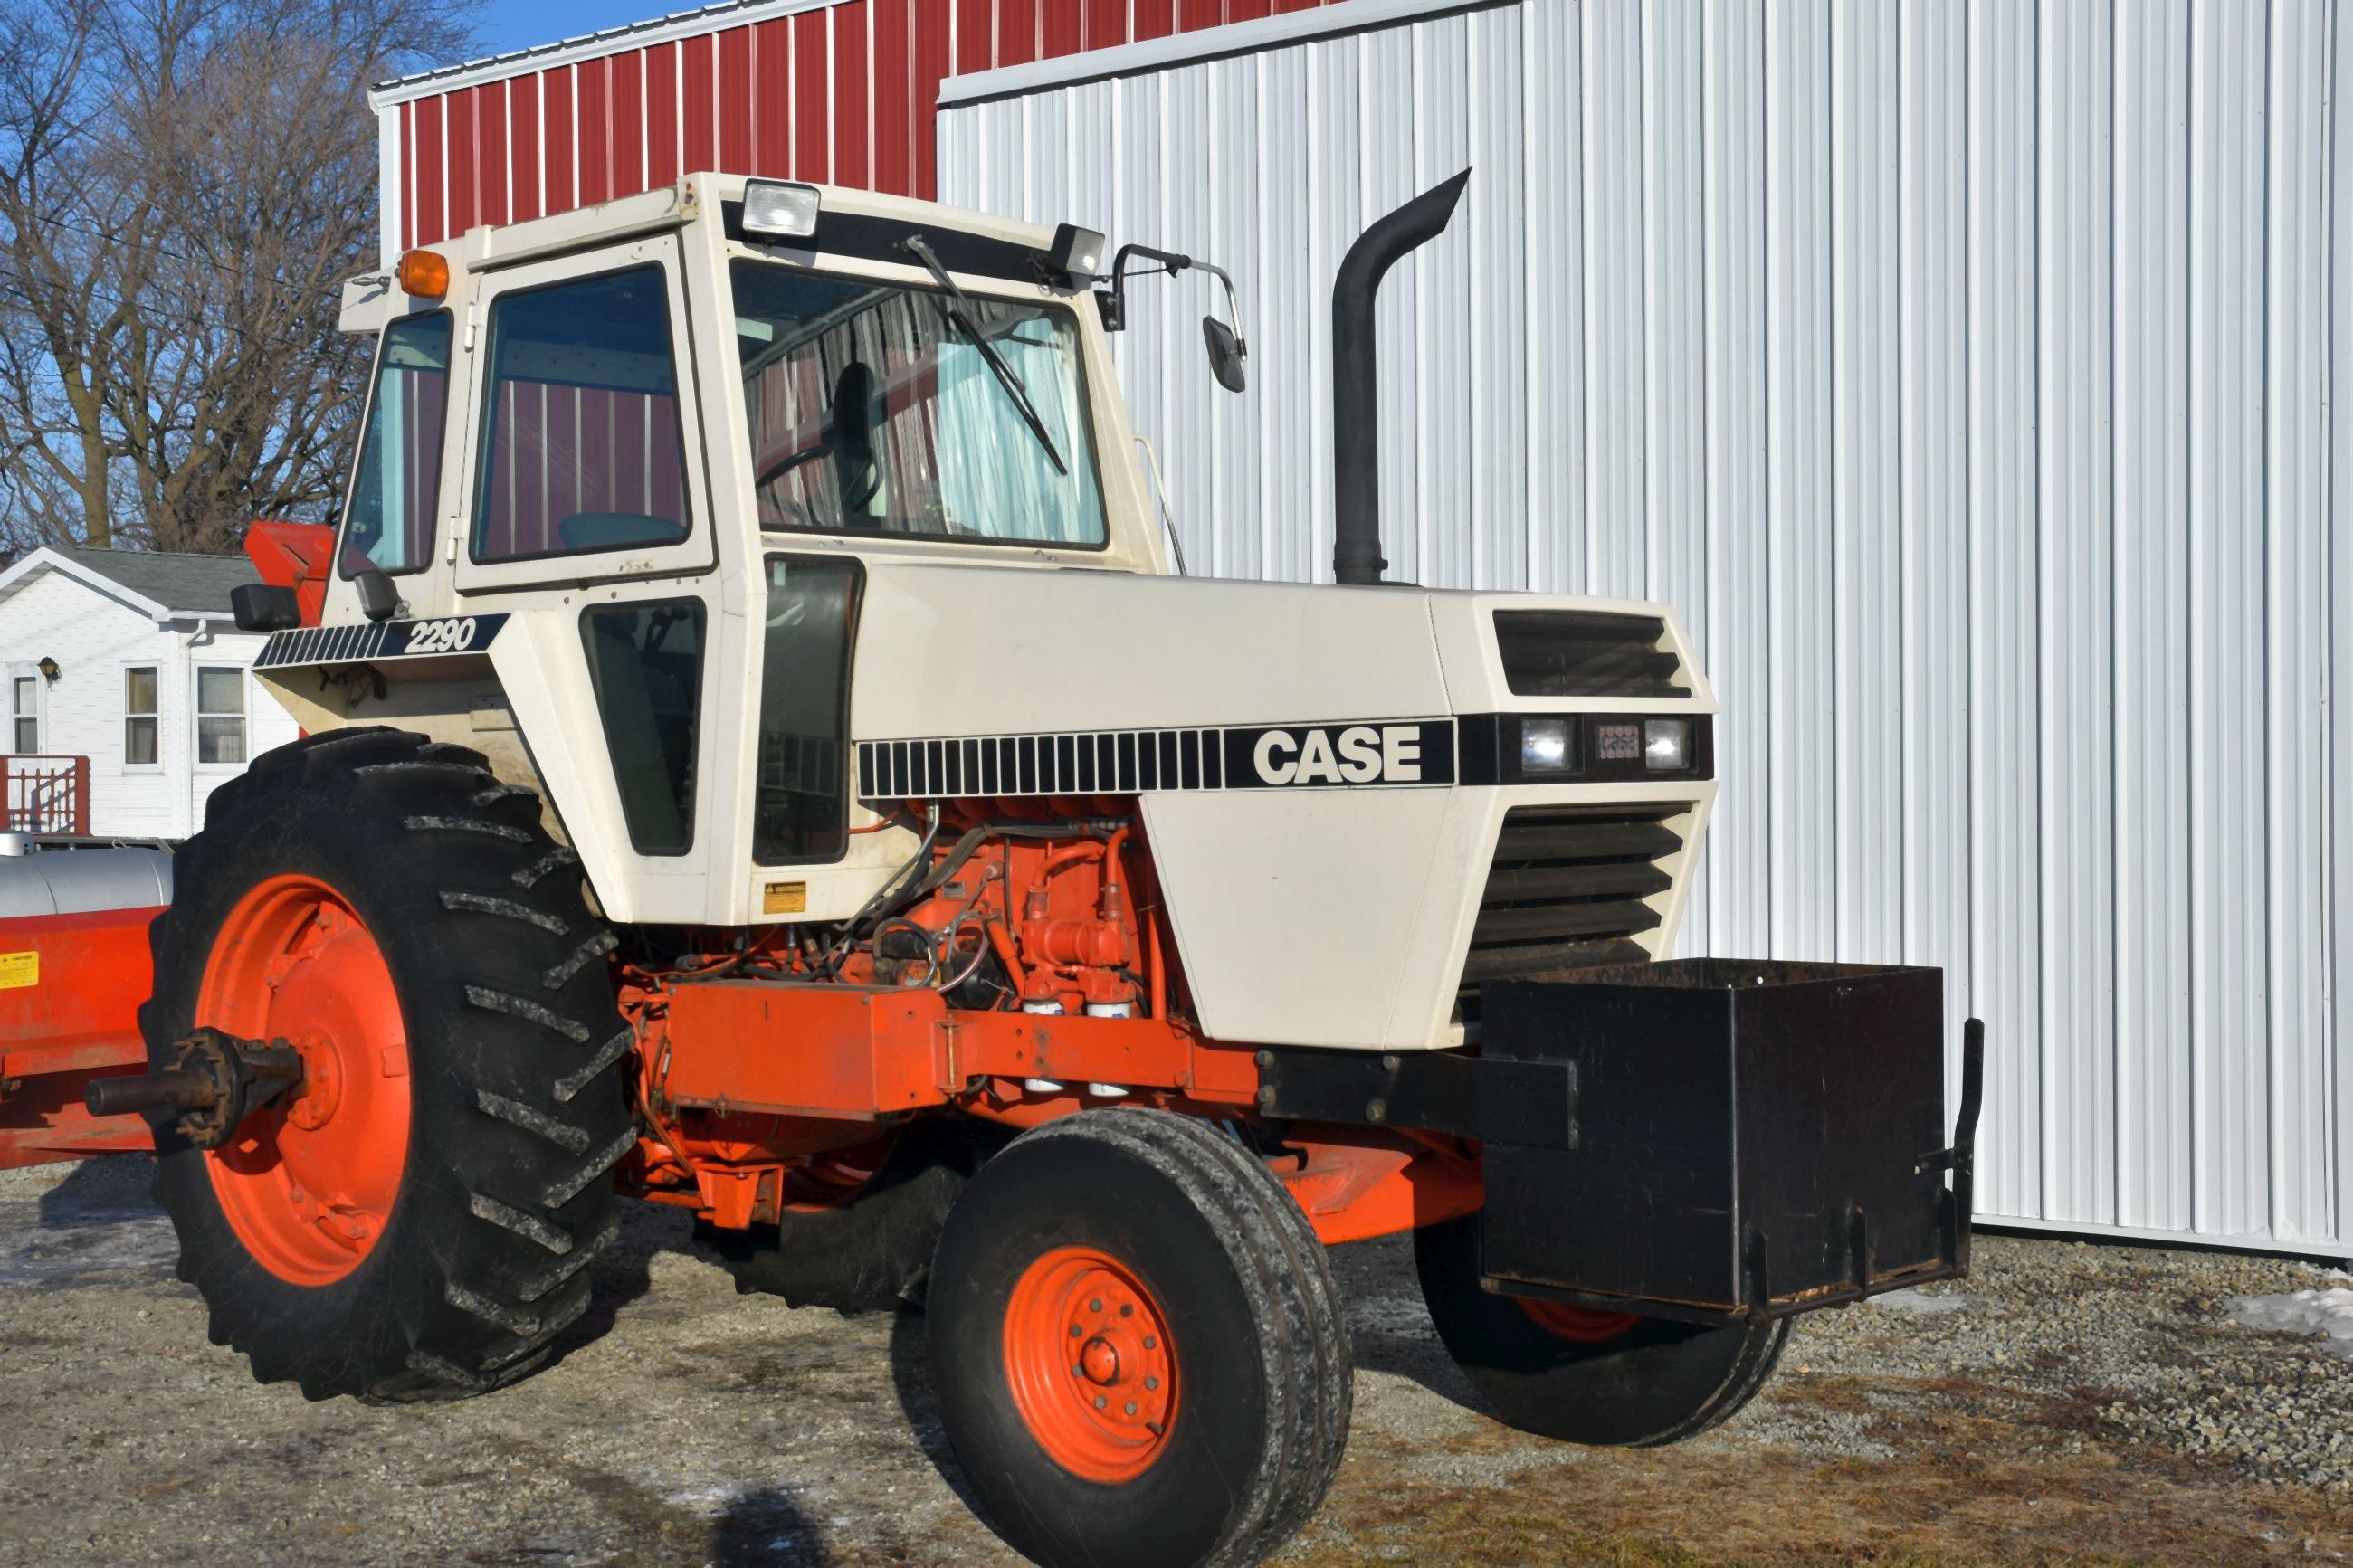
(1585,1325)
(1093,1373)
(308,1183)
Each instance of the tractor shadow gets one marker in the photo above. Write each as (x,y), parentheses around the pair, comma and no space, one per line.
(1388,1324)
(766,1529)
(623,1271)
(910,1380)
(100,1223)
(112,1189)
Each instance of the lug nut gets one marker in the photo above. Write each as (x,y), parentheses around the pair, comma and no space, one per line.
(1130,1407)
(1101,1402)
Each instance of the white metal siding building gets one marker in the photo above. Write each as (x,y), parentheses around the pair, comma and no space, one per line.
(1964,374)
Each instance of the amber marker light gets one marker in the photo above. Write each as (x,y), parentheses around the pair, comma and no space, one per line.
(424,274)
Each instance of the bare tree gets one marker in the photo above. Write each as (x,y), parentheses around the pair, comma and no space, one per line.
(184,184)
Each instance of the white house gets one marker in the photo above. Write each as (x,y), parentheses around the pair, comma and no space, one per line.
(127,678)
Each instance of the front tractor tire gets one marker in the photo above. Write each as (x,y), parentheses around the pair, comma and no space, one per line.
(1607,1379)
(415,1221)
(1137,1346)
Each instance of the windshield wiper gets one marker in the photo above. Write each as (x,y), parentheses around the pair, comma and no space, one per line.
(960,318)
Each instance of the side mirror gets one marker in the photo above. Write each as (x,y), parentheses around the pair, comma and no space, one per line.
(264,607)
(1229,355)
(378,597)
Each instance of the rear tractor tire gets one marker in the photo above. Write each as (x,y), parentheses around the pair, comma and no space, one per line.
(415,1220)
(1138,1349)
(1608,1379)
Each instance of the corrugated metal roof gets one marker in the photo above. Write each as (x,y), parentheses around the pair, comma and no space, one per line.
(197,583)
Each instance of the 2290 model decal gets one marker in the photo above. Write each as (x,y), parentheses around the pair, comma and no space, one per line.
(436,637)
(454,635)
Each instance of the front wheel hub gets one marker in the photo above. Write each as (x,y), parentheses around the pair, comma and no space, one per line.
(1093,1373)
(308,1180)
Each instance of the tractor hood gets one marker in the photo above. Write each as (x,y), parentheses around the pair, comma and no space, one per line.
(1315,767)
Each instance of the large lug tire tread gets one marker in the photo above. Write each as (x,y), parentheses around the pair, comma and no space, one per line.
(519,1114)
(872,1252)
(1264,1367)
(1661,1382)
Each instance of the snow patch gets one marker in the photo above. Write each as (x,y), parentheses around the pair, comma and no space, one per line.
(1917,1300)
(2328,1313)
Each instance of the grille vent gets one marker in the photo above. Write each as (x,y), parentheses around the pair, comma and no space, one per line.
(1567,886)
(1586,653)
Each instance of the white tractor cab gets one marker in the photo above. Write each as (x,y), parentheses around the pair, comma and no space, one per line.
(632,474)
(763,757)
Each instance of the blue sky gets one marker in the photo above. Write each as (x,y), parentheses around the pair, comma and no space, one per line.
(519,24)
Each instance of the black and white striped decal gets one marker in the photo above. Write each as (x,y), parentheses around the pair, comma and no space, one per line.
(1386,753)
(372,641)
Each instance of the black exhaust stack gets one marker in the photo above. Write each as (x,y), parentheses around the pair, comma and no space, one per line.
(1356,403)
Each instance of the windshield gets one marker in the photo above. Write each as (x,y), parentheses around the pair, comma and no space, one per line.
(875,407)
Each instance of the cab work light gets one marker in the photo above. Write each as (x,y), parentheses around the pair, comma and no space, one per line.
(424,274)
(1076,254)
(779,210)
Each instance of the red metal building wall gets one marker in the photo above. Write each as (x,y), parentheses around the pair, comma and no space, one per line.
(843,93)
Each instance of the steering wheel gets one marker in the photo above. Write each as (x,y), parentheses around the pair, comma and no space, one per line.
(784,465)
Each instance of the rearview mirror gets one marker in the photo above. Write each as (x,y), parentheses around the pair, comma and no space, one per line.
(378,597)
(1229,355)
(264,607)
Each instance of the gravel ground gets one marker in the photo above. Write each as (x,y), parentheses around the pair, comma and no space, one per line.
(2068,1402)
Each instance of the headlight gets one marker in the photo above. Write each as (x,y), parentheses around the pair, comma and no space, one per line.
(1666,745)
(1543,746)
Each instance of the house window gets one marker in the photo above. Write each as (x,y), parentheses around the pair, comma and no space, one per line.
(220,716)
(26,709)
(140,693)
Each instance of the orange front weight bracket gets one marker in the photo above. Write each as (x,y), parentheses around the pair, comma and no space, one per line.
(860,1054)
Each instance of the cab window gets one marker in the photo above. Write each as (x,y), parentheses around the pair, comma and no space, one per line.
(801,810)
(645,665)
(582,445)
(876,408)
(389,523)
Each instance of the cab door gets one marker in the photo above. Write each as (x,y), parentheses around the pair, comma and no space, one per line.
(585,445)
(585,514)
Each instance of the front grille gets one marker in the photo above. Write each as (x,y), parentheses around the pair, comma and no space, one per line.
(1587,653)
(1568,886)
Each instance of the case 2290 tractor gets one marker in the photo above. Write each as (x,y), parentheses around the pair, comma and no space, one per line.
(759,759)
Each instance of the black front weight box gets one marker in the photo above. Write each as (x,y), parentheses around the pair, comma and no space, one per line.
(1750,1139)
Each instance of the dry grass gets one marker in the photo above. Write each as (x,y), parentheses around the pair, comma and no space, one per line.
(1983,1476)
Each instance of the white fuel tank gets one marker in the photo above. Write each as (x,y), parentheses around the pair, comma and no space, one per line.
(49,879)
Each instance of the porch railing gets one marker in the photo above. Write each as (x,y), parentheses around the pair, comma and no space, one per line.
(44,794)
